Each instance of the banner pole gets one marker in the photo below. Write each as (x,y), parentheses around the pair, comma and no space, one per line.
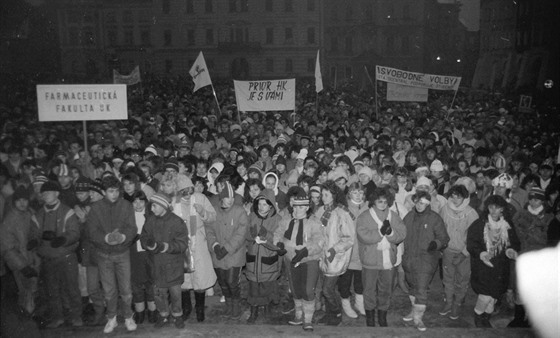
(219,113)
(85,136)
(376,105)
(452,101)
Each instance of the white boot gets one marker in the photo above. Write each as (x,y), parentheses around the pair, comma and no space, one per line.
(359,304)
(419,310)
(409,317)
(348,308)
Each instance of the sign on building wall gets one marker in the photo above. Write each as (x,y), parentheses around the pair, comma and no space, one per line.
(265,95)
(82,102)
(430,81)
(396,92)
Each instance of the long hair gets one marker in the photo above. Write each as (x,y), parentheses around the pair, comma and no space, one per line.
(338,195)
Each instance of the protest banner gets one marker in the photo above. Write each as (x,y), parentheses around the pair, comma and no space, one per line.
(430,81)
(265,95)
(131,79)
(396,92)
(82,102)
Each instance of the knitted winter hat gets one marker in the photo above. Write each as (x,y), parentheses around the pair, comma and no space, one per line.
(97,186)
(537,193)
(50,186)
(63,170)
(82,184)
(21,192)
(161,199)
(436,166)
(151,149)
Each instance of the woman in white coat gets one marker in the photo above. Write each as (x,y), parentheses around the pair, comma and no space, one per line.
(195,210)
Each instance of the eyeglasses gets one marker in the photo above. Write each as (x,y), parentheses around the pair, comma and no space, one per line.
(187,191)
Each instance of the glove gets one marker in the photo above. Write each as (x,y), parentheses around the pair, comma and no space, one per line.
(114,237)
(29,272)
(262,232)
(432,246)
(300,254)
(253,232)
(220,252)
(386,228)
(32,244)
(282,248)
(150,242)
(330,256)
(59,241)
(49,235)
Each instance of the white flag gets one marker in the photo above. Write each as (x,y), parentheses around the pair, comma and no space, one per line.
(318,77)
(199,73)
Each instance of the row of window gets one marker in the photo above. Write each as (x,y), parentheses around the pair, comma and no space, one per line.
(236,5)
(270,65)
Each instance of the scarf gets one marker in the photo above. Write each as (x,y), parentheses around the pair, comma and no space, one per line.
(328,212)
(536,211)
(498,241)
(299,236)
(384,246)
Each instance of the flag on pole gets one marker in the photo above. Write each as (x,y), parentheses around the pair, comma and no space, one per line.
(131,79)
(199,73)
(318,77)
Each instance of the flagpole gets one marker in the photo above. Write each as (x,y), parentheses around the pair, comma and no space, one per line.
(376,105)
(219,113)
(452,101)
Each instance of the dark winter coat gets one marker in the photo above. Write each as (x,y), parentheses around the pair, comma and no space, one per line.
(168,265)
(484,279)
(64,222)
(228,230)
(104,217)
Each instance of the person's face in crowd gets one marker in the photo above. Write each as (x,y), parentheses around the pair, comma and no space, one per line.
(50,197)
(82,195)
(304,142)
(260,129)
(401,179)
(263,207)
(468,153)
(327,197)
(227,202)
(310,171)
(270,182)
(469,134)
(204,133)
(112,194)
(320,142)
(300,211)
(39,153)
(431,155)
(341,183)
(495,212)
(213,174)
(367,161)
(456,200)
(94,196)
(535,203)
(426,188)
(158,210)
(406,145)
(357,196)
(534,168)
(281,168)
(398,145)
(304,186)
(64,181)
(74,174)
(362,142)
(21,204)
(264,154)
(482,161)
(516,166)
(315,197)
(242,170)
(129,187)
(381,203)
(128,144)
(201,169)
(75,148)
(253,174)
(545,173)
(479,180)
(421,205)
(168,187)
(108,151)
(462,166)
(436,173)
(254,191)
(145,170)
(364,179)
(198,187)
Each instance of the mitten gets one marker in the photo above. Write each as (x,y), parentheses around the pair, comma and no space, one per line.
(300,254)
(386,228)
(282,249)
(432,246)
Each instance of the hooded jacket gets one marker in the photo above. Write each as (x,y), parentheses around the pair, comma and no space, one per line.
(531,229)
(340,234)
(281,201)
(64,222)
(313,237)
(457,222)
(263,264)
(16,231)
(228,230)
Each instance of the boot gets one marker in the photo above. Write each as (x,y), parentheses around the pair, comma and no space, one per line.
(519,317)
(409,317)
(359,304)
(229,308)
(161,321)
(99,317)
(478,320)
(347,308)
(419,310)
(486,320)
(335,319)
(186,304)
(179,322)
(267,311)
(446,308)
(455,309)
(152,316)
(236,309)
(200,299)
(298,314)
(370,318)
(382,318)
(308,311)
(139,317)
(254,315)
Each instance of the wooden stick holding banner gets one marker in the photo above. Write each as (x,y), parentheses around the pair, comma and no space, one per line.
(219,113)
(85,137)
(453,101)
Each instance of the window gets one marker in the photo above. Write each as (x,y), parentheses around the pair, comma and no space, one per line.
(190,37)
(244,6)
(368,12)
(190,7)
(73,16)
(311,35)
(165,6)
(310,65)
(167,38)
(168,66)
(88,37)
(208,6)
(232,6)
(268,6)
(289,35)
(311,5)
(348,72)
(269,36)
(269,65)
(145,36)
(406,11)
(112,36)
(288,5)
(348,45)
(128,36)
(334,44)
(209,36)
(405,45)
(289,66)
(73,38)
(349,16)
(110,17)
(390,43)
(127,17)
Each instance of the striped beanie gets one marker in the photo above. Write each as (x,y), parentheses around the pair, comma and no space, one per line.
(227,192)
(96,185)
(63,170)
(161,199)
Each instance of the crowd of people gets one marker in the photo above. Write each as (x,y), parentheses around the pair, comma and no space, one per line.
(346,198)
